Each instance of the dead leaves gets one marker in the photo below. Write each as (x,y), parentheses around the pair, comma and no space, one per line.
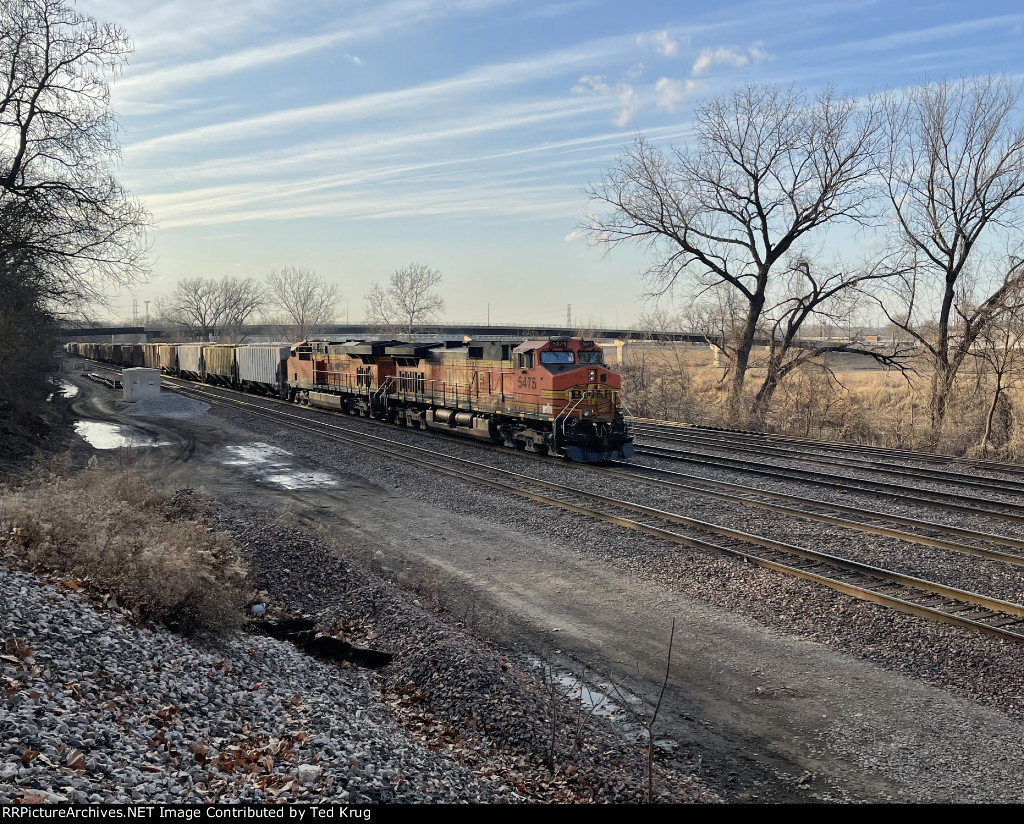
(30,798)
(30,755)
(163,716)
(255,756)
(16,651)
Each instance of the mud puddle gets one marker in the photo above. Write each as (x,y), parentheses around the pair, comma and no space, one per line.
(274,466)
(114,436)
(602,699)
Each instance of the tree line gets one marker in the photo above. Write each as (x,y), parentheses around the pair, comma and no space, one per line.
(788,209)
(298,302)
(210,307)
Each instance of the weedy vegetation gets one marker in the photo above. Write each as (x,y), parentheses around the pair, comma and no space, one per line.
(107,530)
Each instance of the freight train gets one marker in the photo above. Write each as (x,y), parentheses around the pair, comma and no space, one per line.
(553,396)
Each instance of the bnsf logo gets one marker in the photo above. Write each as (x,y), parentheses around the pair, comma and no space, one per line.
(595,394)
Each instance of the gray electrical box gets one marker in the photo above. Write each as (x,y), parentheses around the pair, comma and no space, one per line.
(140,383)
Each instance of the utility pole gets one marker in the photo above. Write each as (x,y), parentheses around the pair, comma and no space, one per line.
(135,311)
(147,312)
(568,315)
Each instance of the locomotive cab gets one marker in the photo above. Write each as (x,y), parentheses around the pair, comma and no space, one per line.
(567,380)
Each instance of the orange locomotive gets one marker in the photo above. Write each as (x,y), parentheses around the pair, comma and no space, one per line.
(552,396)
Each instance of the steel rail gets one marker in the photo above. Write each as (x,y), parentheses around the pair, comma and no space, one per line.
(743,494)
(946,500)
(837,446)
(938,475)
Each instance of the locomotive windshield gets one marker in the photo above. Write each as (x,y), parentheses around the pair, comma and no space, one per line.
(556,357)
(591,357)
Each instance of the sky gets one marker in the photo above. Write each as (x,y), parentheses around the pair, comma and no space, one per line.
(353,138)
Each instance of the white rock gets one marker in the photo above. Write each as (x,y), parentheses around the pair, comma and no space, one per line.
(307,774)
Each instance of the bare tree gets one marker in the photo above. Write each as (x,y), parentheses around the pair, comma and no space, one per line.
(67,227)
(195,305)
(206,307)
(767,167)
(306,299)
(811,294)
(241,299)
(954,175)
(1000,347)
(61,206)
(409,298)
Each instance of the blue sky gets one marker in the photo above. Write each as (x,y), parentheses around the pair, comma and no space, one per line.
(355,137)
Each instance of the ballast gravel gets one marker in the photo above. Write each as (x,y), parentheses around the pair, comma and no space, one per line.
(94,709)
(168,405)
(456,693)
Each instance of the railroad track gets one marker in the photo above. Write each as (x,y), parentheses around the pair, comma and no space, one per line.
(948,501)
(745,436)
(875,466)
(914,530)
(908,594)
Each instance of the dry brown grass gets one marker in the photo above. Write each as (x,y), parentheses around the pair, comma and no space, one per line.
(852,400)
(109,528)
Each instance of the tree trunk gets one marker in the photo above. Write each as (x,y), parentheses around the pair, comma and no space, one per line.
(763,398)
(735,411)
(992,414)
(942,384)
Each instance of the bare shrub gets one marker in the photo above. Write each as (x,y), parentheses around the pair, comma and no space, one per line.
(109,528)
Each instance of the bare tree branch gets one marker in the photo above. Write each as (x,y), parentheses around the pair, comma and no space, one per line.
(59,201)
(306,299)
(767,167)
(408,299)
(954,175)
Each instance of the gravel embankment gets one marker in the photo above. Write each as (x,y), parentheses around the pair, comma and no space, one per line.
(95,709)
(455,692)
(100,710)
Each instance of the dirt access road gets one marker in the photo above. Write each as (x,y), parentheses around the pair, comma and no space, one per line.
(760,716)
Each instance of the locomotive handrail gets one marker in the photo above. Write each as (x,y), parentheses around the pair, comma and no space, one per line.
(566,411)
(382,392)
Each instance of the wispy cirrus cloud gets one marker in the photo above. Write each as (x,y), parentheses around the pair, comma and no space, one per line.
(380,19)
(475,81)
(415,186)
(314,156)
(727,56)
(202,71)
